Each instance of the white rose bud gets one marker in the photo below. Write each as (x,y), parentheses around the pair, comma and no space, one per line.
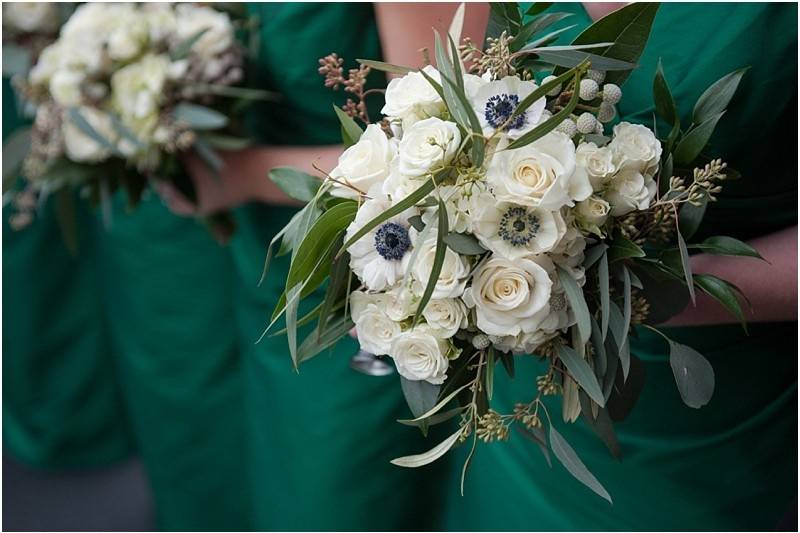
(365,164)
(597,162)
(629,191)
(454,273)
(374,328)
(446,316)
(427,144)
(593,211)
(636,147)
(421,355)
(612,93)
(411,98)
(588,89)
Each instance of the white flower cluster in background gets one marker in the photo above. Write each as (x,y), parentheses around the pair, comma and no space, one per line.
(531,209)
(30,17)
(121,67)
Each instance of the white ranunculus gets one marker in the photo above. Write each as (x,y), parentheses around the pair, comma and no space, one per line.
(629,190)
(412,98)
(427,144)
(510,297)
(495,101)
(218,37)
(80,147)
(375,329)
(540,174)
(453,276)
(635,147)
(365,164)
(380,258)
(457,206)
(598,163)
(65,87)
(31,17)
(420,354)
(446,316)
(513,231)
(137,91)
(592,212)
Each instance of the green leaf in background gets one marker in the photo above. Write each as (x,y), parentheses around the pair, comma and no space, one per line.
(183,48)
(723,292)
(570,58)
(622,248)
(421,397)
(415,461)
(209,156)
(687,267)
(628,28)
(693,375)
(337,292)
(533,27)
(537,435)
(721,245)
(666,107)
(600,355)
(199,117)
(464,244)
(577,302)
(691,144)
(226,143)
(295,183)
(438,261)
(548,38)
(351,132)
(385,67)
(580,370)
(537,7)
(15,150)
(664,175)
(567,456)
(691,216)
(716,98)
(666,296)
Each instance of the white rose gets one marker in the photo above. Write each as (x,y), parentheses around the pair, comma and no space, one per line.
(47,64)
(494,103)
(629,191)
(421,355)
(510,297)
(365,164)
(513,231)
(593,211)
(598,163)
(427,144)
(400,303)
(541,174)
(453,276)
(130,38)
(31,17)
(80,147)
(380,258)
(65,87)
(635,147)
(446,316)
(137,91)
(411,98)
(218,37)
(375,329)
(160,21)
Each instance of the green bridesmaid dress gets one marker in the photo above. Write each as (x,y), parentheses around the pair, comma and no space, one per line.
(321,440)
(62,405)
(731,465)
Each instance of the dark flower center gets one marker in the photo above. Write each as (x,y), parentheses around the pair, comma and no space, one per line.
(518,226)
(499,109)
(392,241)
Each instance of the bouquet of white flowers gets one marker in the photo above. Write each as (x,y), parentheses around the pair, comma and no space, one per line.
(490,215)
(125,89)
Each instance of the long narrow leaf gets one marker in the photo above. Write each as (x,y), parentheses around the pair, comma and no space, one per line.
(438,261)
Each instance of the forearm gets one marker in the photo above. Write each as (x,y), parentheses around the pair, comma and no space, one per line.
(770,286)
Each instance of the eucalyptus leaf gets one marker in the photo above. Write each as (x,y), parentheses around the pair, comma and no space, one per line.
(464,244)
(577,302)
(433,420)
(601,425)
(548,38)
(572,58)
(567,456)
(666,107)
(199,117)
(209,156)
(605,294)
(716,98)
(533,27)
(182,49)
(620,333)
(415,461)
(691,144)
(295,183)
(385,67)
(77,118)
(315,344)
(724,293)
(593,254)
(438,261)
(687,267)
(693,375)
(351,132)
(444,401)
(537,7)
(582,373)
(490,362)
(227,143)
(537,435)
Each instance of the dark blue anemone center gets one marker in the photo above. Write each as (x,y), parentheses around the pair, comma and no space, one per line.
(392,241)
(499,109)
(518,227)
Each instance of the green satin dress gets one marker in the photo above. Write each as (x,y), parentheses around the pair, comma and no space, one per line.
(731,465)
(321,440)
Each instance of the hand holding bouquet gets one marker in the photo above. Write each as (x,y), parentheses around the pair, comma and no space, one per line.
(490,216)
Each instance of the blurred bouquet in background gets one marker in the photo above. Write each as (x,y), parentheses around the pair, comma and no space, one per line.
(124,91)
(489,216)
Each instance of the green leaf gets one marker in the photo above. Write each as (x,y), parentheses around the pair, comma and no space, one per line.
(420,397)
(550,124)
(124,132)
(571,58)
(687,267)
(567,456)
(209,156)
(546,39)
(444,401)
(601,425)
(622,248)
(723,292)
(577,302)
(351,132)
(693,375)
(409,201)
(582,373)
(536,8)
(415,461)
(246,94)
(385,67)
(690,146)
(666,107)
(15,150)
(199,117)
(533,27)
(541,91)
(508,363)
(438,261)
(438,418)
(599,346)
(721,245)
(416,222)
(605,295)
(626,320)
(628,28)
(626,390)
(227,143)
(336,293)
(691,216)
(716,98)
(490,361)
(183,48)
(295,183)
(77,118)
(315,344)
(537,435)
(620,332)
(66,217)
(593,255)
(464,244)
(664,174)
